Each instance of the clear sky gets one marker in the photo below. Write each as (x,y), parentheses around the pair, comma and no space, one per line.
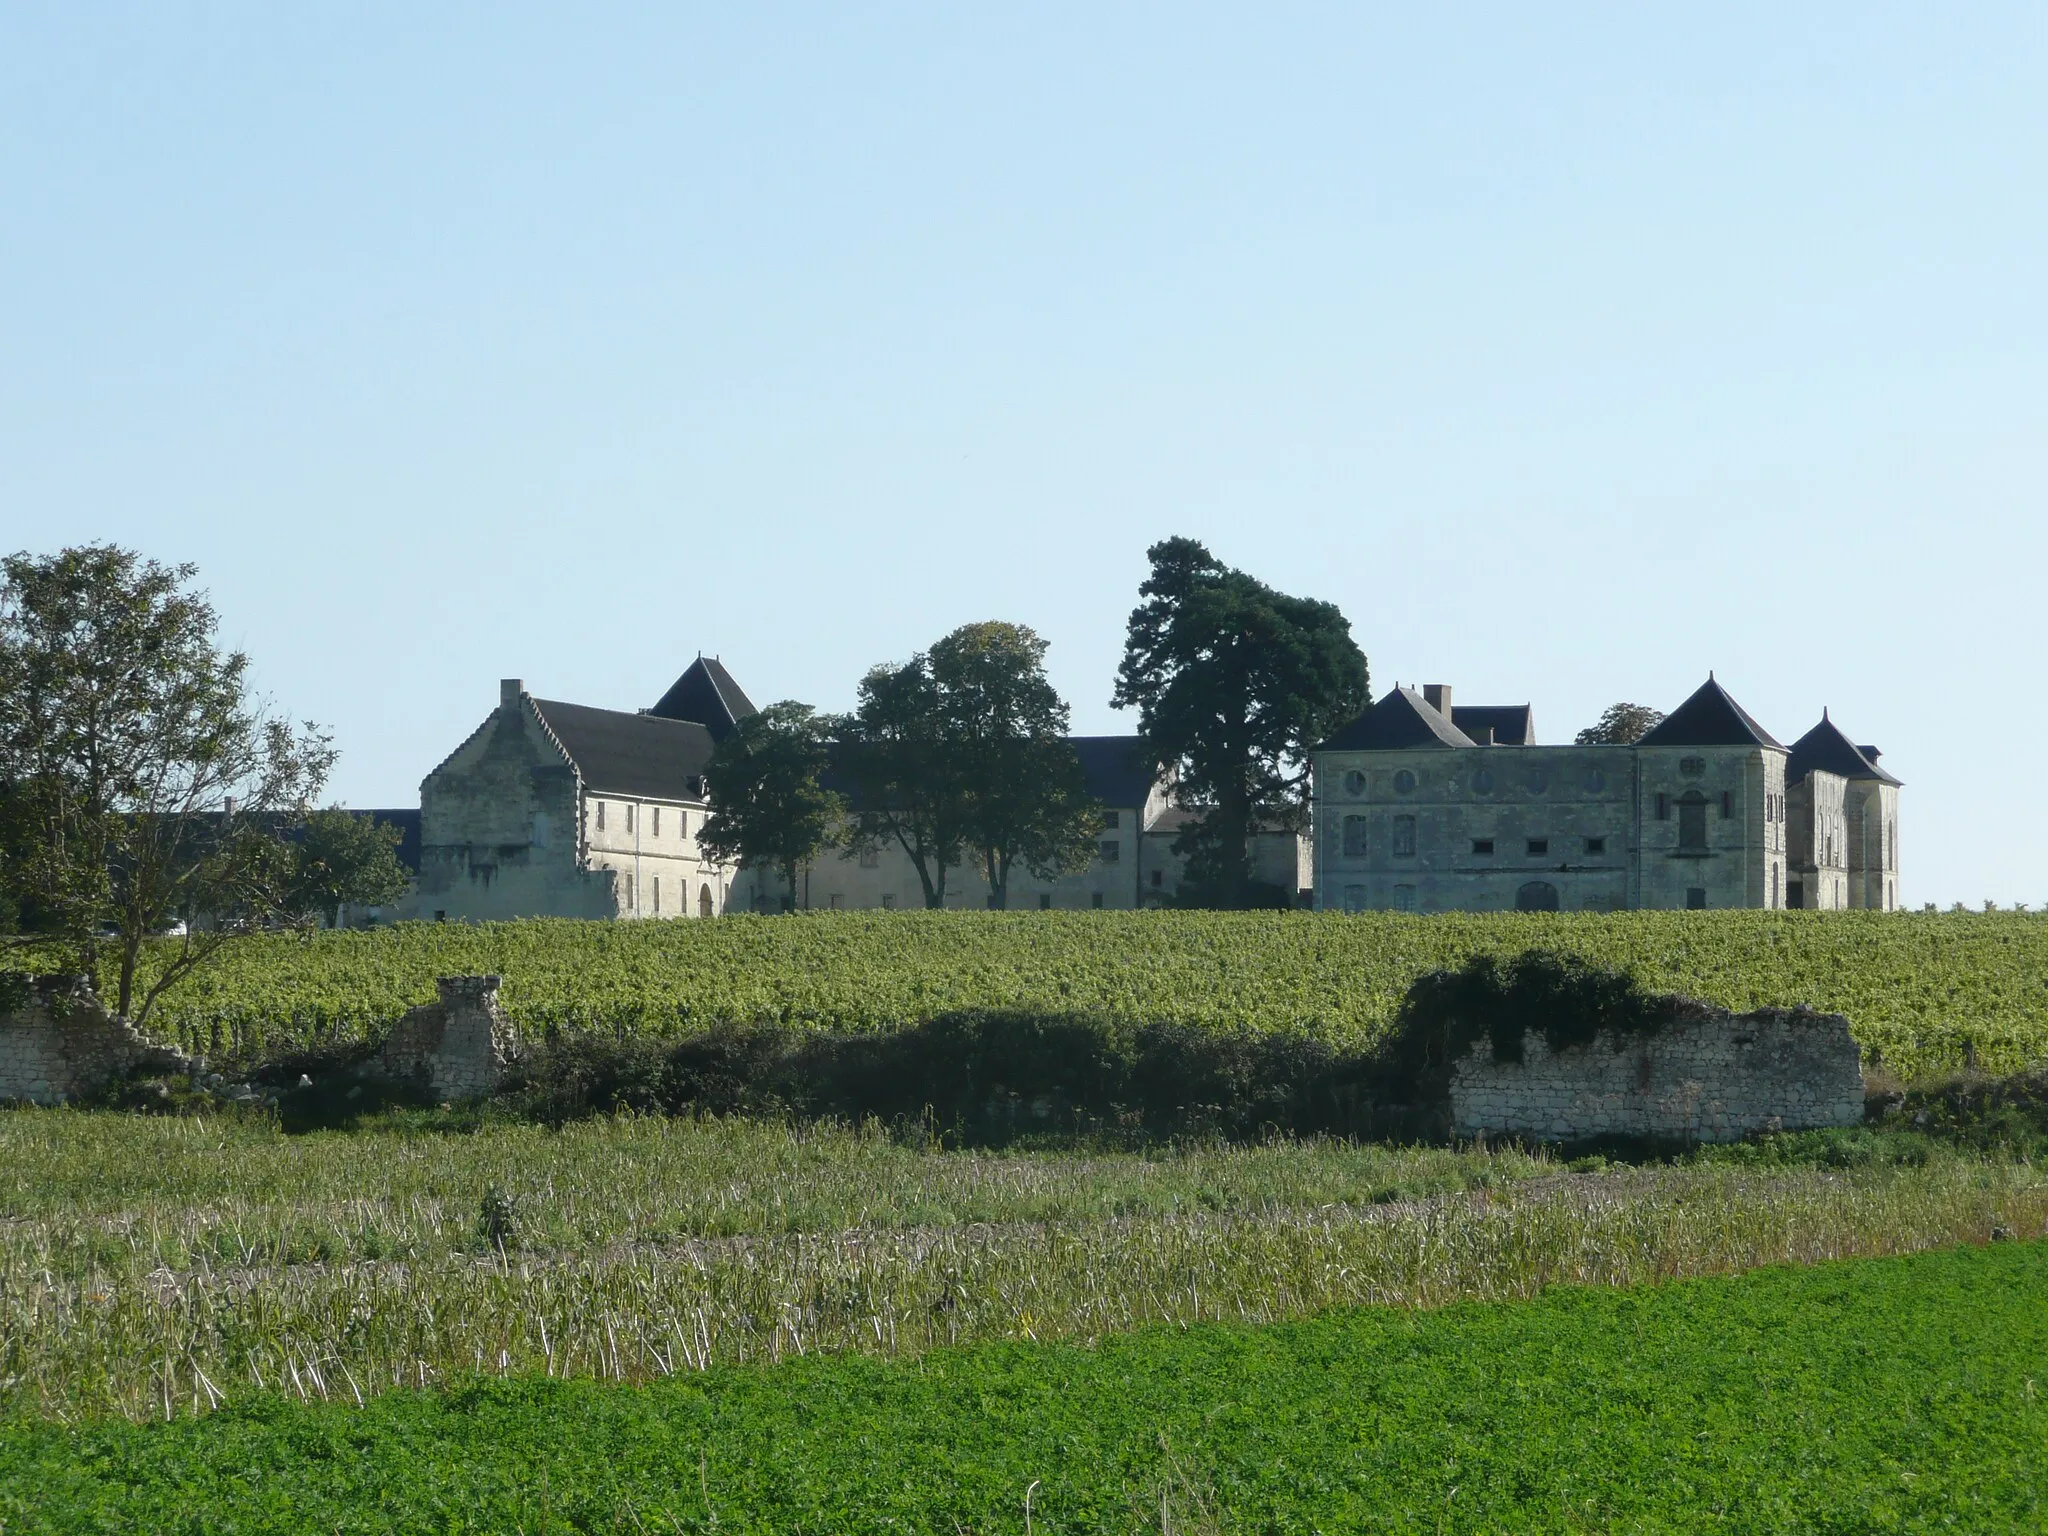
(1572,350)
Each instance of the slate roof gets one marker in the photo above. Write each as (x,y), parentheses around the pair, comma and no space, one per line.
(408,824)
(1710,718)
(1116,769)
(1514,725)
(706,694)
(622,754)
(1825,748)
(1402,719)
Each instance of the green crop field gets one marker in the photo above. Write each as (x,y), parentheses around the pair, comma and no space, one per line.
(1879,1395)
(154,1266)
(1915,986)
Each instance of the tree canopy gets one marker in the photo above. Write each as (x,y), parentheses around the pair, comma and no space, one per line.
(1024,799)
(1620,725)
(143,783)
(1234,683)
(768,804)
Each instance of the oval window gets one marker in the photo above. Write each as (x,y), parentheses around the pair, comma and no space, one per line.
(1538,781)
(1595,781)
(1354,783)
(1482,782)
(1404,781)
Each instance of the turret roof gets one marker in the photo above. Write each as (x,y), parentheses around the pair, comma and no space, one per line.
(1710,718)
(707,694)
(1825,748)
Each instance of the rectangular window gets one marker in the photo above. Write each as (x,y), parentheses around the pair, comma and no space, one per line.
(1663,807)
(600,815)
(1111,820)
(835,901)
(1095,901)
(540,829)
(1483,846)
(1404,837)
(1045,901)
(657,821)
(1538,846)
(1404,898)
(1109,850)
(1696,899)
(871,858)
(629,818)
(1727,805)
(1354,898)
(1158,879)
(657,895)
(888,901)
(1596,845)
(1354,837)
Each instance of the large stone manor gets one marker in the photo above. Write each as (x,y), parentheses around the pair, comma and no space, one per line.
(1420,805)
(1425,805)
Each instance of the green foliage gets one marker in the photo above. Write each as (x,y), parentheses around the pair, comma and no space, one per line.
(1561,997)
(1916,987)
(1878,1395)
(338,859)
(980,1077)
(1020,778)
(763,780)
(140,775)
(1234,683)
(1620,725)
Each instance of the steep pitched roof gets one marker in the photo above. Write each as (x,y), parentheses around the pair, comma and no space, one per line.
(1710,718)
(1115,768)
(1402,719)
(624,754)
(707,694)
(1514,725)
(1825,748)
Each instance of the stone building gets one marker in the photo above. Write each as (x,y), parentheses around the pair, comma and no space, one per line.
(551,809)
(561,810)
(1422,805)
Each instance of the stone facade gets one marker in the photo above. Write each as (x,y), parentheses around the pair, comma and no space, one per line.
(456,1048)
(1713,1076)
(558,810)
(1415,813)
(64,1045)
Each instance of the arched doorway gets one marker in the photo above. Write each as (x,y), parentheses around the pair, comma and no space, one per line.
(1536,896)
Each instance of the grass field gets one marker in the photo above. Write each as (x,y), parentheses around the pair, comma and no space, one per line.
(1881,1395)
(1915,986)
(158,1267)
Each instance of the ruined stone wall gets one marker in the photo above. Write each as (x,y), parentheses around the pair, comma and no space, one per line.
(64,1045)
(1715,1076)
(456,1048)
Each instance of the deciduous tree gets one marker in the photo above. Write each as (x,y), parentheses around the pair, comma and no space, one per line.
(1234,683)
(769,806)
(1620,725)
(1024,799)
(898,748)
(144,782)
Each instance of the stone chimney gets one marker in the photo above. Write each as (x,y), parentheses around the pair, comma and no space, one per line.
(1438,697)
(509,691)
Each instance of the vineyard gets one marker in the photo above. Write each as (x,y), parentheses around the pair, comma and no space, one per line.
(1923,989)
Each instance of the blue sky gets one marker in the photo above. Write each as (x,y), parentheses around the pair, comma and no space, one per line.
(1573,351)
